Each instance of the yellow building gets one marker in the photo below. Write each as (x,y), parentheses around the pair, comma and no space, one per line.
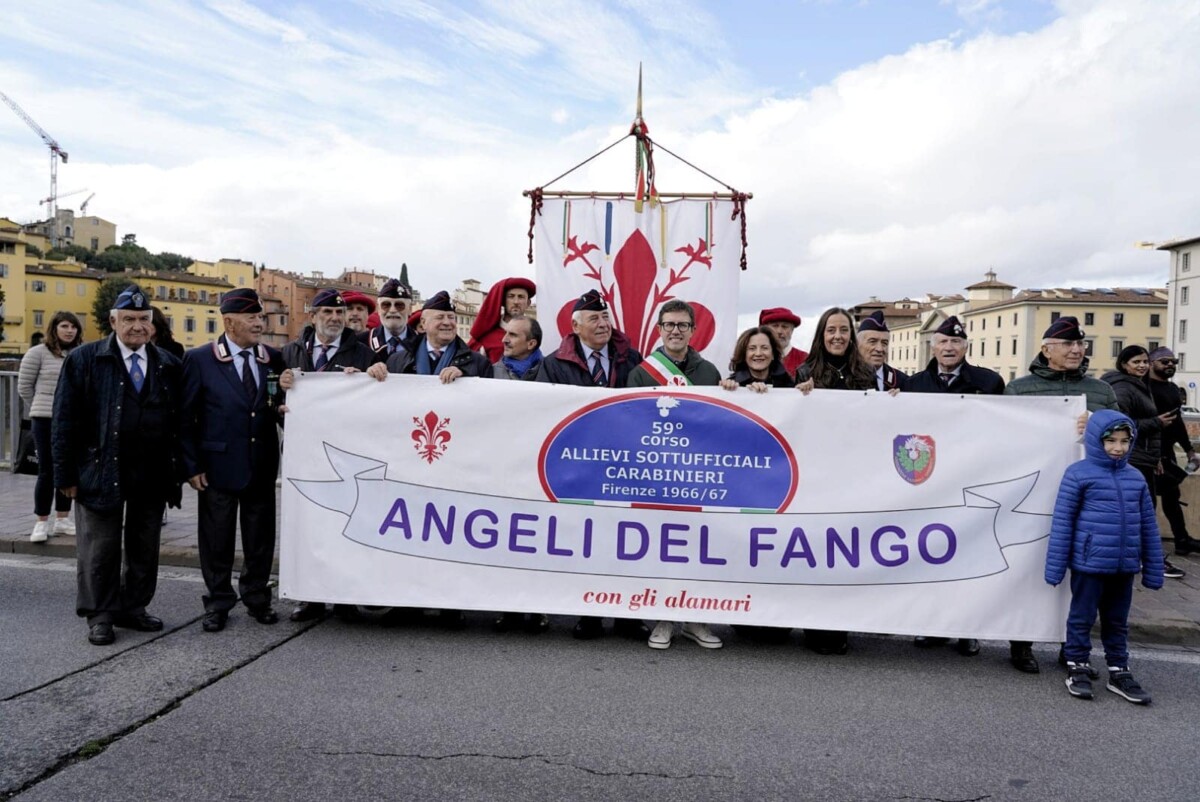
(191,303)
(235,271)
(61,287)
(1004,327)
(12,283)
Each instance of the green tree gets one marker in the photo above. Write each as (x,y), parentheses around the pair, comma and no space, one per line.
(173,261)
(62,252)
(33,250)
(126,256)
(106,296)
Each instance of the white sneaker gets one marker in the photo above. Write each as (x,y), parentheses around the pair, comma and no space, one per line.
(701,634)
(41,532)
(660,638)
(64,526)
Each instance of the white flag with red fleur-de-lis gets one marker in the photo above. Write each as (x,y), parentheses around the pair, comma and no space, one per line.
(686,249)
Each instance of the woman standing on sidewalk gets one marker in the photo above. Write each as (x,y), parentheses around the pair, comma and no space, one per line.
(36,382)
(1133,396)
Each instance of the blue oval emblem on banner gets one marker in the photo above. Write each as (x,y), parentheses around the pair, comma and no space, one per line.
(676,451)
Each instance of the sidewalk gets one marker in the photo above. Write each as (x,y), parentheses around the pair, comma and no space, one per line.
(1169,617)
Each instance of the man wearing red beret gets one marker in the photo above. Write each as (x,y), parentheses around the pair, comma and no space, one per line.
(783,323)
(508,298)
(359,307)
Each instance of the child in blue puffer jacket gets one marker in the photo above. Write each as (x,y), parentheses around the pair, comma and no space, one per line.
(1105,531)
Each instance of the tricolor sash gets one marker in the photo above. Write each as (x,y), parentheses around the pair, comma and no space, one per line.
(664,371)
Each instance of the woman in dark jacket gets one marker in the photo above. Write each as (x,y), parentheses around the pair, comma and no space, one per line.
(162,336)
(833,360)
(757,362)
(1133,396)
(833,364)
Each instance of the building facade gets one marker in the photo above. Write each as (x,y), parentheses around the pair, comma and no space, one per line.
(1181,317)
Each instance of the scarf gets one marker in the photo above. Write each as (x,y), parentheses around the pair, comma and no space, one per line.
(520,367)
(424,364)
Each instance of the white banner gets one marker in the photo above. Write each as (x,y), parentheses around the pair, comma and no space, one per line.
(919,514)
(686,249)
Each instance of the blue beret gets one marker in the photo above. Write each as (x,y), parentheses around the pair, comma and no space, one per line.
(440,302)
(394,289)
(873,322)
(590,301)
(132,298)
(240,301)
(328,297)
(953,327)
(1065,328)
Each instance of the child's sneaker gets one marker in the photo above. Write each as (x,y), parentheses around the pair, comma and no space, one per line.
(1079,680)
(1122,683)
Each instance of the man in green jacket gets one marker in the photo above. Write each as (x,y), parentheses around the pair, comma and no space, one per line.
(1060,369)
(675,363)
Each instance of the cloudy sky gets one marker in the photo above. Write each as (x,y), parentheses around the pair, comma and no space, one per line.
(893,148)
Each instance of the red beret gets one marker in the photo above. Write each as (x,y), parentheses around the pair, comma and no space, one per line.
(352,297)
(778,315)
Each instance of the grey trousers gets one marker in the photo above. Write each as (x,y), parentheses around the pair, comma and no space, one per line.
(108,586)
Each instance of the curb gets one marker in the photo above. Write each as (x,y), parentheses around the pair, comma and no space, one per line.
(1168,632)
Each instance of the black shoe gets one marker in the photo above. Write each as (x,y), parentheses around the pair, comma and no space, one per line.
(507,622)
(263,615)
(1079,680)
(1022,659)
(630,628)
(1170,571)
(929,642)
(142,622)
(587,628)
(452,619)
(772,635)
(215,620)
(1122,683)
(967,647)
(537,623)
(346,612)
(101,634)
(308,611)
(1186,546)
(400,617)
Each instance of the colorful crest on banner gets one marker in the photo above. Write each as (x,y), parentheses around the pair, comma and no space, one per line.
(686,249)
(914,456)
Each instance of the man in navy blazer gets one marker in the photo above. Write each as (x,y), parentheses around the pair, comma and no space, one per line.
(231,454)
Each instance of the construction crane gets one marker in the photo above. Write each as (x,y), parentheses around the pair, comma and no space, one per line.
(44,201)
(55,153)
(83,206)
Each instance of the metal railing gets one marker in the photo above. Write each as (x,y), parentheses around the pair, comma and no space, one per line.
(10,417)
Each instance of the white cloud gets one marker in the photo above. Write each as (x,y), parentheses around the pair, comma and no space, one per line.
(307,143)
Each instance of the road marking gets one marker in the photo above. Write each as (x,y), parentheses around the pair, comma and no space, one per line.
(67,565)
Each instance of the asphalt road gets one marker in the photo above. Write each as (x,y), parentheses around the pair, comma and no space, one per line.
(355,711)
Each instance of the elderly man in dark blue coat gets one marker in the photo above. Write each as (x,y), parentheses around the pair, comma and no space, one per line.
(231,452)
(949,371)
(116,452)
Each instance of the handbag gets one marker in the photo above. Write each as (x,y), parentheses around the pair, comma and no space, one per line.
(26,459)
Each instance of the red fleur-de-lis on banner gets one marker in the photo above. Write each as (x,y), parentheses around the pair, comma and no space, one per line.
(635,296)
(432,436)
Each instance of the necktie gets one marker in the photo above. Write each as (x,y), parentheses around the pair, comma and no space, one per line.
(135,373)
(248,376)
(599,377)
(946,378)
(393,344)
(322,357)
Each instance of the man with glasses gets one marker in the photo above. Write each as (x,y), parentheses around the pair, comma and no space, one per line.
(1059,370)
(675,362)
(1163,363)
(393,334)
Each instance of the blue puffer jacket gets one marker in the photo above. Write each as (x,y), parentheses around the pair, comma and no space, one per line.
(1104,517)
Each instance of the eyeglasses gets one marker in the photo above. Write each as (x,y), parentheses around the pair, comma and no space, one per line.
(675,326)
(1167,361)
